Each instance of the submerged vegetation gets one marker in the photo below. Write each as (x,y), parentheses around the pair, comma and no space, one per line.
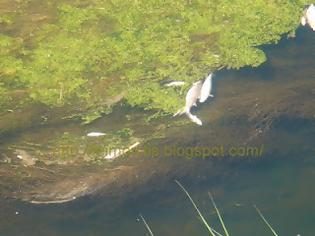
(70,148)
(87,53)
(211,231)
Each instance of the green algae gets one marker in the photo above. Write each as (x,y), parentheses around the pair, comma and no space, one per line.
(133,47)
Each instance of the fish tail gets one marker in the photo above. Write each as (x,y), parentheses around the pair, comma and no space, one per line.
(180,112)
(194,119)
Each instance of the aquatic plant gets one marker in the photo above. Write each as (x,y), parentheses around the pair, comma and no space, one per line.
(211,230)
(99,49)
(218,213)
(265,221)
(146,225)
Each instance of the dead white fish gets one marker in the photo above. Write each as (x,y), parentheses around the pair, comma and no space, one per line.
(118,152)
(192,96)
(175,84)
(309,17)
(95,134)
(206,89)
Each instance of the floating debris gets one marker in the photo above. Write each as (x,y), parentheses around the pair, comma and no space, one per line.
(118,152)
(114,154)
(25,158)
(175,84)
(95,134)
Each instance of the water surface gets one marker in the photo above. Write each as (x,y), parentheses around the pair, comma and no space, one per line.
(280,183)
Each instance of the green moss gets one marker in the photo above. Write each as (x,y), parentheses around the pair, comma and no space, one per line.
(136,45)
(6,19)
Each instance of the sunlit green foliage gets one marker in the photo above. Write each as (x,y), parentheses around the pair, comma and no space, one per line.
(99,49)
(10,67)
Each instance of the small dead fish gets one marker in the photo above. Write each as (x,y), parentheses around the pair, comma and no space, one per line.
(95,134)
(192,96)
(175,84)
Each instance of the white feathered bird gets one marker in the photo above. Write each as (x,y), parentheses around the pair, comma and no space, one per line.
(309,17)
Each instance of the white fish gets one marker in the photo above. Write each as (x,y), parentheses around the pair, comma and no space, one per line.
(95,134)
(192,96)
(309,17)
(175,84)
(206,89)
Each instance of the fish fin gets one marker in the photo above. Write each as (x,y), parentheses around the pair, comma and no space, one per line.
(180,112)
(211,95)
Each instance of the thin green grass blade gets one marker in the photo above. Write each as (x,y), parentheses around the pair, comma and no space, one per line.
(146,225)
(219,215)
(195,206)
(263,218)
